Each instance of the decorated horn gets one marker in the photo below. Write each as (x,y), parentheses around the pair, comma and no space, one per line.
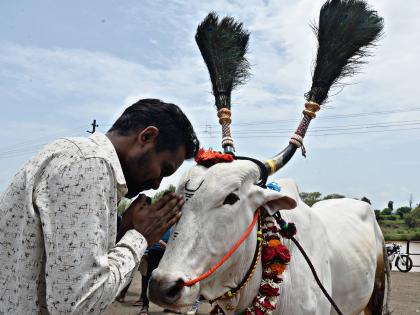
(223,45)
(345,32)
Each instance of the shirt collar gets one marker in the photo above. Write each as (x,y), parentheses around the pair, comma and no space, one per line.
(111,155)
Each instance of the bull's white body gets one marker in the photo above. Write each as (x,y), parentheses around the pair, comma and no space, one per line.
(341,237)
(343,240)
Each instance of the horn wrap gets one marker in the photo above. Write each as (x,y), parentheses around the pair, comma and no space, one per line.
(296,141)
(224,115)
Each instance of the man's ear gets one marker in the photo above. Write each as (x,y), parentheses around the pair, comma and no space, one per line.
(148,135)
(272,200)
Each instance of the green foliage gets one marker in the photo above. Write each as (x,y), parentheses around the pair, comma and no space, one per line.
(412,219)
(396,229)
(378,214)
(403,210)
(386,211)
(123,205)
(393,217)
(160,194)
(333,196)
(310,198)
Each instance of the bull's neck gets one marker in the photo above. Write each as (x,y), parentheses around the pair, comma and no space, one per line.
(244,297)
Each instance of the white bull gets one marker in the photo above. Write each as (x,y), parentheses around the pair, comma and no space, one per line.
(341,237)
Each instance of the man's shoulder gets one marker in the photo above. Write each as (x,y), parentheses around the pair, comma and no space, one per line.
(75,154)
(81,147)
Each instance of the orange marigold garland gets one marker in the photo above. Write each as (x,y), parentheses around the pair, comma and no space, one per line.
(209,157)
(275,257)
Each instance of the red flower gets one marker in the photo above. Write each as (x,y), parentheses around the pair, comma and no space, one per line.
(283,253)
(267,305)
(257,310)
(267,290)
(209,158)
(268,254)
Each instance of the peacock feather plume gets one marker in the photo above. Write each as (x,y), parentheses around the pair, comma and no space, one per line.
(223,45)
(346,31)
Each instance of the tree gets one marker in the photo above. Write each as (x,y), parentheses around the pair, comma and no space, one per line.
(391,205)
(412,219)
(366,200)
(333,196)
(402,211)
(410,201)
(386,211)
(310,198)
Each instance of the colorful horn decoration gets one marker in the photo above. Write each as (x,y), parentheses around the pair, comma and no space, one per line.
(223,44)
(345,31)
(295,142)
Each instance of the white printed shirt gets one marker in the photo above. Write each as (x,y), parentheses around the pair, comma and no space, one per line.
(58,226)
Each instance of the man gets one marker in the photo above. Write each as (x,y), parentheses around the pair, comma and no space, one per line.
(58,250)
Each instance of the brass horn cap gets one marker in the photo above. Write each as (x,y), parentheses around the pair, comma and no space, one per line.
(311,108)
(224,115)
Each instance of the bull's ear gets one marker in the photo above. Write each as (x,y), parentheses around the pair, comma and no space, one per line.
(272,200)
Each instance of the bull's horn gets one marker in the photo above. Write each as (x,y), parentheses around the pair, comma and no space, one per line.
(295,142)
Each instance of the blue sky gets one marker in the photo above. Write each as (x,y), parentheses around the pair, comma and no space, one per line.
(62,64)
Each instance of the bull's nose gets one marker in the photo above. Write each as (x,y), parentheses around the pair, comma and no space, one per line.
(164,292)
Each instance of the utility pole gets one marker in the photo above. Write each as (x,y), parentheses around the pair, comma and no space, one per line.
(410,201)
(94,125)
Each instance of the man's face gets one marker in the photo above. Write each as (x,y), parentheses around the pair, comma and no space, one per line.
(146,170)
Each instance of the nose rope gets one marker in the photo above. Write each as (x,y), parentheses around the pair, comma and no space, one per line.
(191,282)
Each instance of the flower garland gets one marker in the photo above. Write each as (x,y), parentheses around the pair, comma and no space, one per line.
(275,257)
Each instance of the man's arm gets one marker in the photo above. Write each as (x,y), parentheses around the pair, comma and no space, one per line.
(84,271)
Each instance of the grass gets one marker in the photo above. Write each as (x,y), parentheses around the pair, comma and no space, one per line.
(397,230)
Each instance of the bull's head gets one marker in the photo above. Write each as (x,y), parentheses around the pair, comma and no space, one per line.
(221,201)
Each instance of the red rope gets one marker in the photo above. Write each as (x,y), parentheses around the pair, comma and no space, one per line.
(191,282)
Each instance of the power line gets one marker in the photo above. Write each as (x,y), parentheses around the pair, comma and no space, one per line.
(364,114)
(32,145)
(27,149)
(315,130)
(314,135)
(326,128)
(30,141)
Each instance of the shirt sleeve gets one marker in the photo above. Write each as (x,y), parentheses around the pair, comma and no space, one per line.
(84,269)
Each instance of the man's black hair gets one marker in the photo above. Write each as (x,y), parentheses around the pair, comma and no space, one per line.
(174,127)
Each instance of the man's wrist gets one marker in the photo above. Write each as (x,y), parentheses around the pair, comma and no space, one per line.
(126,224)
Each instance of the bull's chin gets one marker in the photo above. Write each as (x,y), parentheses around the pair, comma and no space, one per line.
(183,301)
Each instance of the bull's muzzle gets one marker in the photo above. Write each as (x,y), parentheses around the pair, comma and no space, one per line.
(163,292)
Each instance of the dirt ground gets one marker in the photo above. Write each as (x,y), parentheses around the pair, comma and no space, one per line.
(405,297)
(405,293)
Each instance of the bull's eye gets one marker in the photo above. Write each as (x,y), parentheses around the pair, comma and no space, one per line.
(231,199)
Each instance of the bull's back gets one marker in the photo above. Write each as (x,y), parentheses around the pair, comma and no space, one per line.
(352,235)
